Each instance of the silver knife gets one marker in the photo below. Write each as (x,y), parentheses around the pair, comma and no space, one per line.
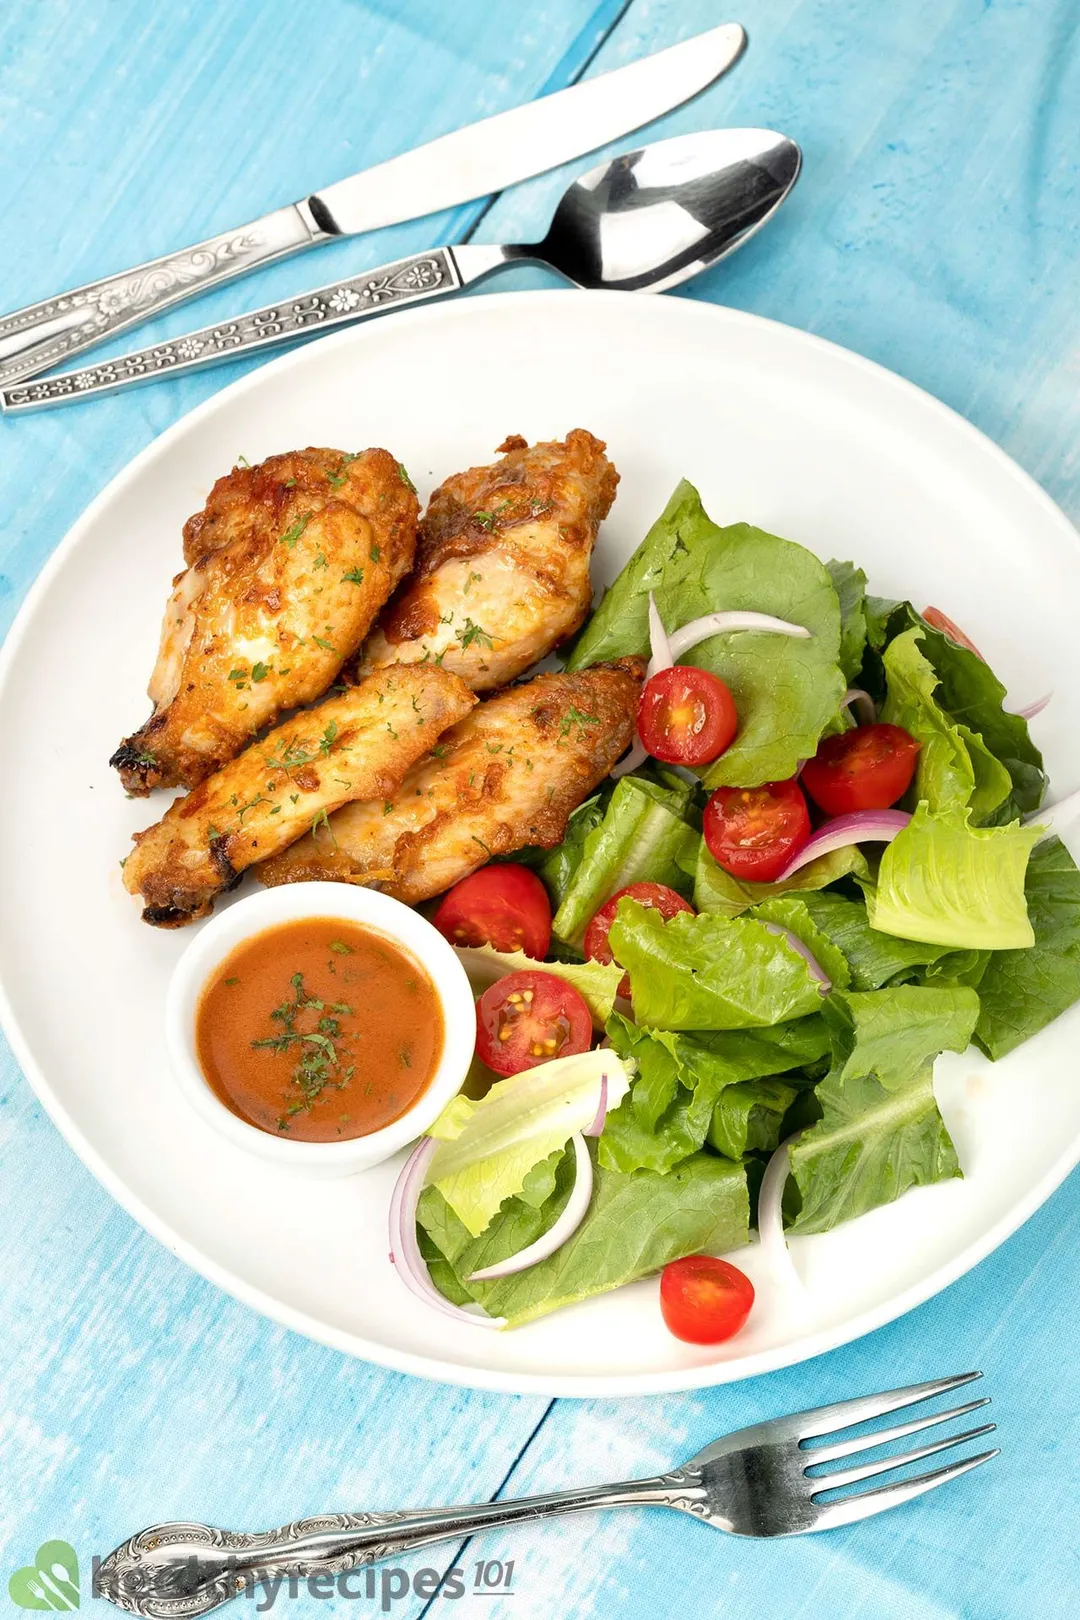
(472,162)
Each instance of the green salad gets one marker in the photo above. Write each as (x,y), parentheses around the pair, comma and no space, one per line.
(855,883)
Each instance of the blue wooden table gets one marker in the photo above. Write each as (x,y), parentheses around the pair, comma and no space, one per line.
(937,230)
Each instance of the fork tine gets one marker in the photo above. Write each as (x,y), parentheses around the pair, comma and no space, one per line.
(883,1437)
(888,1465)
(865,1503)
(845,1414)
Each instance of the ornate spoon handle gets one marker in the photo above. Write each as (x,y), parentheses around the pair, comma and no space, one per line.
(43,334)
(342,303)
(177,1571)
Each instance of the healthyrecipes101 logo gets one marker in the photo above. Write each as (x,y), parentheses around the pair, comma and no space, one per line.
(50,1582)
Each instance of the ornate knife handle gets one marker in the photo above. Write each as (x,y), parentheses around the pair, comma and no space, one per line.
(424,275)
(41,335)
(178,1571)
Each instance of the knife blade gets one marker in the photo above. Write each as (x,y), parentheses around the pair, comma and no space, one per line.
(513,146)
(476,161)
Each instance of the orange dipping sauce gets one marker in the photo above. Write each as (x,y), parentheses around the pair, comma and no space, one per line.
(319,1030)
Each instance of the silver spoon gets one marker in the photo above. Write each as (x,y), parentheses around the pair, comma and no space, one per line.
(642,222)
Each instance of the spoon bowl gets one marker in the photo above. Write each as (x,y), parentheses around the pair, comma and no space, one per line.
(650,219)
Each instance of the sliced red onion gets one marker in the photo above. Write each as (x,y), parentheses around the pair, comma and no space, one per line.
(819,973)
(715,624)
(659,647)
(405,1254)
(577,1206)
(601,1110)
(861,827)
(1030,710)
(863,704)
(771,1237)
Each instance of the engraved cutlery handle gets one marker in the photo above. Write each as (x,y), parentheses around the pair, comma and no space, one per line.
(342,303)
(179,1571)
(41,335)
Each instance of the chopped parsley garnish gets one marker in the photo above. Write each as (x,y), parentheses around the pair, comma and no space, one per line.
(574,717)
(375,554)
(295,530)
(260,671)
(341,948)
(336,479)
(320,561)
(323,820)
(321,641)
(474,633)
(486,520)
(355,576)
(405,479)
(318,1043)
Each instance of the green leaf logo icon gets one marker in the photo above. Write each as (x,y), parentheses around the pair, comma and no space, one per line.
(50,1582)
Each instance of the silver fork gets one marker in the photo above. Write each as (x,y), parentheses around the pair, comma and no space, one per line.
(761,1481)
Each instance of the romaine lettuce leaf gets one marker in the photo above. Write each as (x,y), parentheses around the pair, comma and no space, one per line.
(870,1145)
(849,583)
(682,1080)
(947,777)
(716,890)
(1023,991)
(710,972)
(596,982)
(788,911)
(641,838)
(880,1131)
(787,690)
(636,1224)
(874,959)
(894,1033)
(971,693)
(748,1117)
(945,882)
(975,698)
(556,867)
(520,1122)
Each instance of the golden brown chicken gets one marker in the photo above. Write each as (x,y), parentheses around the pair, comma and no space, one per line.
(507,775)
(502,573)
(358,745)
(288,564)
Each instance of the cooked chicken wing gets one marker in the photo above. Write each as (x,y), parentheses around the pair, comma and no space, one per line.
(358,745)
(502,572)
(288,564)
(507,775)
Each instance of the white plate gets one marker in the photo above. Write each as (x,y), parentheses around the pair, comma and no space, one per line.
(775,427)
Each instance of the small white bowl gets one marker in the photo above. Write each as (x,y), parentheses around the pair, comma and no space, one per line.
(289,903)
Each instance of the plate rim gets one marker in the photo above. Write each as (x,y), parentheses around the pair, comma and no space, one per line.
(579,1386)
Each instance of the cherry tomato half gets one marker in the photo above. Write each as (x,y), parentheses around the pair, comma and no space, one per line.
(686,716)
(865,769)
(656,895)
(704,1300)
(941,621)
(530,1018)
(753,832)
(504,906)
